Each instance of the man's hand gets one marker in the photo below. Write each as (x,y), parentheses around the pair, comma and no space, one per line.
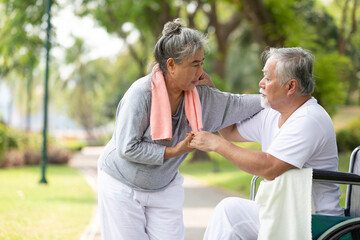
(205,141)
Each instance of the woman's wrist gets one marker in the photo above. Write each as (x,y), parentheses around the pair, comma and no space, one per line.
(173,151)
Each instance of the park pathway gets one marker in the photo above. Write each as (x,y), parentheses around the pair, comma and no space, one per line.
(200,200)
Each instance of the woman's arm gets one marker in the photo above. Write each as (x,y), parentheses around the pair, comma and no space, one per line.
(221,109)
(132,122)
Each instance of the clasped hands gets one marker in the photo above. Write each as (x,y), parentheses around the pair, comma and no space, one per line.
(204,141)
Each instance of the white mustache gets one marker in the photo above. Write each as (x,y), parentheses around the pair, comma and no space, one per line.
(262,91)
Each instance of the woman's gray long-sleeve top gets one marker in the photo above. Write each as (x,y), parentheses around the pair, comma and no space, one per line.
(132,157)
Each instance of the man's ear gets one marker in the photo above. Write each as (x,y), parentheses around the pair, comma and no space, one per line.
(170,64)
(292,85)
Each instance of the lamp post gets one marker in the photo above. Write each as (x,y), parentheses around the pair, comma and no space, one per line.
(44,147)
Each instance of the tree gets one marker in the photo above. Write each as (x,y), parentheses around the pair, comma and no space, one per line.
(82,86)
(264,25)
(20,31)
(276,23)
(347,30)
(116,18)
(21,44)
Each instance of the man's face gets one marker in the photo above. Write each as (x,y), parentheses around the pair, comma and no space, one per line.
(272,93)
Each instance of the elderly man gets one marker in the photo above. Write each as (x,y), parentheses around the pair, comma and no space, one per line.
(295,132)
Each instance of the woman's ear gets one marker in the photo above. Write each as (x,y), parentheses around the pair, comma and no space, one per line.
(170,64)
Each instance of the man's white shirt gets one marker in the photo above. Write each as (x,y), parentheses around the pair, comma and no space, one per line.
(306,140)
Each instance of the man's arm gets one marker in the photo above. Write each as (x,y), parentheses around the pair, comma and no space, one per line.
(231,133)
(254,162)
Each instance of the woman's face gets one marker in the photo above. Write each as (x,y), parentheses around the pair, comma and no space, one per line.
(187,73)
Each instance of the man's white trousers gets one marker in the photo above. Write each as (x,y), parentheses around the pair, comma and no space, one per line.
(234,219)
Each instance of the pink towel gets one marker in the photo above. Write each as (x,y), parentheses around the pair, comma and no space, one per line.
(160,116)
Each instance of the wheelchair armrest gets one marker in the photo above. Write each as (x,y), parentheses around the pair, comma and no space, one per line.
(336,177)
(320,176)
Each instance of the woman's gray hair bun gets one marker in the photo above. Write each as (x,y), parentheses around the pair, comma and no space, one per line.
(177,42)
(173,27)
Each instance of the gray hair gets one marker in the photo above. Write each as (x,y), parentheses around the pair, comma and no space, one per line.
(177,42)
(293,63)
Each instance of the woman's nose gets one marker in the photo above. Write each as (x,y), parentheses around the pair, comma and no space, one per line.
(200,71)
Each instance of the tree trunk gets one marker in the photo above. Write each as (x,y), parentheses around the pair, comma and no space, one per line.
(28,102)
(222,33)
(200,156)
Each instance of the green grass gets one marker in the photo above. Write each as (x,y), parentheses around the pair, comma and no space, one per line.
(344,160)
(58,210)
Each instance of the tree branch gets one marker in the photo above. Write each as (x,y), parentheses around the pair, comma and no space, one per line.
(353,23)
(341,39)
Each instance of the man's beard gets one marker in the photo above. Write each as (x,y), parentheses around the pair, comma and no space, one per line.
(264,101)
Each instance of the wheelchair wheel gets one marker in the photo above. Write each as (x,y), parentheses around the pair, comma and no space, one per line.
(348,229)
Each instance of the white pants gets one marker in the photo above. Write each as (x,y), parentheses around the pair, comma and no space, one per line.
(127,214)
(234,218)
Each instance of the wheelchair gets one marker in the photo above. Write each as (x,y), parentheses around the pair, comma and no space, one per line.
(335,227)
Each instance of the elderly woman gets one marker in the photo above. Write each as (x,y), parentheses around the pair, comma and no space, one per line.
(139,186)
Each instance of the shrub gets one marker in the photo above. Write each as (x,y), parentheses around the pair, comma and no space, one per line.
(32,157)
(354,126)
(19,148)
(349,138)
(3,141)
(58,155)
(13,158)
(72,144)
(55,155)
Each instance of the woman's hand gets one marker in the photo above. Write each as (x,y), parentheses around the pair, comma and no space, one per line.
(205,141)
(180,148)
(205,80)
(184,145)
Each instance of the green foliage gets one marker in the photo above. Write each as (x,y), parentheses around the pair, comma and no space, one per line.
(121,75)
(283,18)
(3,141)
(243,68)
(20,41)
(9,139)
(349,138)
(84,85)
(329,90)
(219,83)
